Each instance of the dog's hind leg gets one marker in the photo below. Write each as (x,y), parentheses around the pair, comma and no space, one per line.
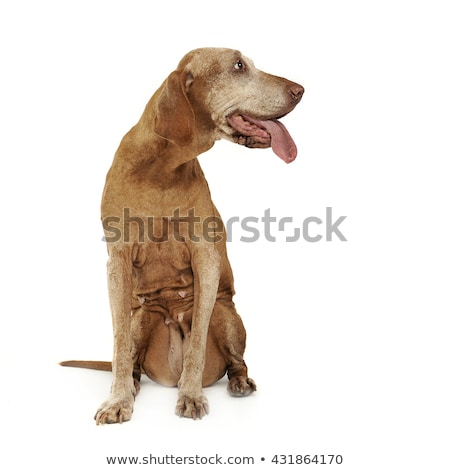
(228,333)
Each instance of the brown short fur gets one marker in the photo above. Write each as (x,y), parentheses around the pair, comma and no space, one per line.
(170,283)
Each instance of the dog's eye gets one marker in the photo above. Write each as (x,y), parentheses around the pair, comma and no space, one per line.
(239,65)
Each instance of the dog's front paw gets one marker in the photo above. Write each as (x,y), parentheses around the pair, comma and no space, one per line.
(115,411)
(241,386)
(192,407)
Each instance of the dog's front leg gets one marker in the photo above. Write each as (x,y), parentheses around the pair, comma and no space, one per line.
(119,406)
(192,403)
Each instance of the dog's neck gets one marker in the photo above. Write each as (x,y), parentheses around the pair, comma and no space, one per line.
(156,161)
(141,150)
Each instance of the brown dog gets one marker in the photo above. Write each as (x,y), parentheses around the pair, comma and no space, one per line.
(169,279)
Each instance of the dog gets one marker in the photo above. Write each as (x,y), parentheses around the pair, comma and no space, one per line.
(169,279)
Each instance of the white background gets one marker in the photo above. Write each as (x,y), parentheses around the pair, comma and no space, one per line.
(347,341)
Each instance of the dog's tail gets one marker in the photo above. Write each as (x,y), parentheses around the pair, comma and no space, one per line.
(96,365)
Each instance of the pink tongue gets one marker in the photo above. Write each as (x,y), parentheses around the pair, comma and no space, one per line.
(282,143)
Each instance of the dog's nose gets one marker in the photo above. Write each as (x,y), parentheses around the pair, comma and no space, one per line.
(296,91)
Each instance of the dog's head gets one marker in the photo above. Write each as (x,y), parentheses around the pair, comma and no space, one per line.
(219,93)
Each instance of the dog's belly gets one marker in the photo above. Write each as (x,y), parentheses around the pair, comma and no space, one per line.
(163,302)
(163,340)
(163,283)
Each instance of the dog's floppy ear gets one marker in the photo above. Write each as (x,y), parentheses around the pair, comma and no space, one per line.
(175,120)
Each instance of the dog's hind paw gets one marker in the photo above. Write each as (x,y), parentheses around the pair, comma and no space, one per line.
(194,408)
(241,386)
(114,411)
